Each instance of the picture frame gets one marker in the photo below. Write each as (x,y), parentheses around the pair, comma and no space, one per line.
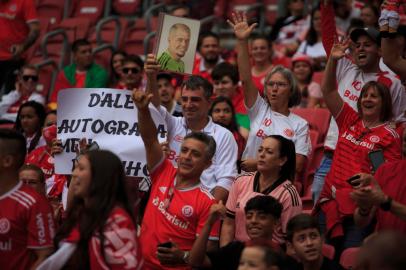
(176,43)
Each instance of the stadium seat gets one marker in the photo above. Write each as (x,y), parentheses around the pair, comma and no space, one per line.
(48,70)
(109,30)
(75,28)
(126,7)
(55,45)
(34,50)
(319,119)
(102,55)
(271,11)
(90,9)
(52,10)
(328,251)
(134,37)
(348,258)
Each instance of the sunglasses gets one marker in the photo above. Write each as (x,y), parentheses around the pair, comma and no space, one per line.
(133,70)
(34,78)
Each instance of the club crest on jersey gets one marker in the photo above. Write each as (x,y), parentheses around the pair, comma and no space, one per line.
(4,225)
(374,139)
(187,210)
(288,132)
(162,189)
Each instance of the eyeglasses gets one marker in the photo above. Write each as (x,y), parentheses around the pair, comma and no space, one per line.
(278,84)
(133,70)
(34,78)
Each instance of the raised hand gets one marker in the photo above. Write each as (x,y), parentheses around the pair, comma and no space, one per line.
(151,65)
(141,100)
(217,210)
(240,25)
(339,48)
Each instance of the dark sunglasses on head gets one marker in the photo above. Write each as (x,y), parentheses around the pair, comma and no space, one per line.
(133,70)
(32,77)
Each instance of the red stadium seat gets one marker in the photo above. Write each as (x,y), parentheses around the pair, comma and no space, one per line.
(52,10)
(110,30)
(271,11)
(75,28)
(319,119)
(126,7)
(89,9)
(47,74)
(348,257)
(134,37)
(102,55)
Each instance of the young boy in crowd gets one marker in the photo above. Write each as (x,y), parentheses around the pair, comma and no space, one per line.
(303,236)
(262,213)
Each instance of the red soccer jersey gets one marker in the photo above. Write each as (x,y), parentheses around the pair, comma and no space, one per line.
(175,215)
(351,155)
(391,178)
(14,16)
(120,244)
(26,224)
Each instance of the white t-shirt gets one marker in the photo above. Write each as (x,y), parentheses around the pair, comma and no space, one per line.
(265,122)
(8,100)
(224,164)
(350,82)
(313,51)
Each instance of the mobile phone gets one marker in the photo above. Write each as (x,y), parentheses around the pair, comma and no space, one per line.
(165,245)
(351,180)
(376,158)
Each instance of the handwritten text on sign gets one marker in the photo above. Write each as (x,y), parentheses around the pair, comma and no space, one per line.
(107,116)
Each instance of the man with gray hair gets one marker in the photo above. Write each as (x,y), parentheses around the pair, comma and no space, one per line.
(178,44)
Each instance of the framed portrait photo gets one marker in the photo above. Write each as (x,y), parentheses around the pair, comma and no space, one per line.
(176,43)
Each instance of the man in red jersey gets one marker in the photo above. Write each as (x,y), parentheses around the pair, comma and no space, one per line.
(26,222)
(385,198)
(178,205)
(19,29)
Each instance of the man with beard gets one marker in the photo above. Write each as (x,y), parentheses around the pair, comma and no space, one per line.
(209,50)
(83,73)
(178,44)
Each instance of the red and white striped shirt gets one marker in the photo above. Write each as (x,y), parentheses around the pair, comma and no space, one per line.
(26,223)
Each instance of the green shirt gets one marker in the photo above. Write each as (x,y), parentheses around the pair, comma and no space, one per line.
(168,63)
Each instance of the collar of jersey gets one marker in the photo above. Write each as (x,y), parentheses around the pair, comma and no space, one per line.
(11,191)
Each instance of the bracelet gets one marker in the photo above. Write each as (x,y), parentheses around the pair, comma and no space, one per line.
(364,212)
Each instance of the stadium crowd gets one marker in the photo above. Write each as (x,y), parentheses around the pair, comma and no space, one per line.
(286,150)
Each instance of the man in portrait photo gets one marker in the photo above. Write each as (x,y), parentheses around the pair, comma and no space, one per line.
(178,44)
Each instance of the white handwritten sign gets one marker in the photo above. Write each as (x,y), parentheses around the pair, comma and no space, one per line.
(107,116)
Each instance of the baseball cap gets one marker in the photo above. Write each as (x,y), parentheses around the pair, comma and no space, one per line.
(367,31)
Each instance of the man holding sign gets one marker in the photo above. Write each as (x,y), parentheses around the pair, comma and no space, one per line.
(195,100)
(178,206)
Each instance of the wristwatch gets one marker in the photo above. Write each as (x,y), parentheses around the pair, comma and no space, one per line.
(387,204)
